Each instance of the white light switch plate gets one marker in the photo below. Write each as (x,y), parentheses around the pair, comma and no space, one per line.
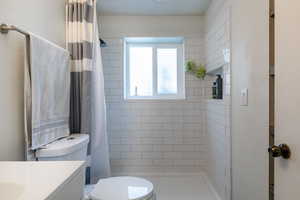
(244,97)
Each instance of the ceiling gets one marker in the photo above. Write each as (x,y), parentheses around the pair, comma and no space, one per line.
(152,7)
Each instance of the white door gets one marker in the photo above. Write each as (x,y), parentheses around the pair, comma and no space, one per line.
(287,97)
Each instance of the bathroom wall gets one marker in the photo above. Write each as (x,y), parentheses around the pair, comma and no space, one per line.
(45,18)
(218,118)
(250,124)
(161,135)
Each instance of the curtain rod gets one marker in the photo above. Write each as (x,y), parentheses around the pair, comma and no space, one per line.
(4,28)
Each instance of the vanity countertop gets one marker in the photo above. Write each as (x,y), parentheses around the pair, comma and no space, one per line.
(35,180)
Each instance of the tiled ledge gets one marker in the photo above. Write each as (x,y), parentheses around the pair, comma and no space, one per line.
(215,101)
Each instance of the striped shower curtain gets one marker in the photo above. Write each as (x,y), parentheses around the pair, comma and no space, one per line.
(87,110)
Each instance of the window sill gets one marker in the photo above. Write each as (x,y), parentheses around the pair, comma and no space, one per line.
(139,99)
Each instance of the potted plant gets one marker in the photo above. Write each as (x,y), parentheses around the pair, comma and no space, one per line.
(199,71)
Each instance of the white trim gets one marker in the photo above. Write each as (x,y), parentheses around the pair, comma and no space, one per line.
(126,70)
(160,43)
(160,97)
(228,188)
(154,62)
(154,40)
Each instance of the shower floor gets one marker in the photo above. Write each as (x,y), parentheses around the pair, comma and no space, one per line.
(178,187)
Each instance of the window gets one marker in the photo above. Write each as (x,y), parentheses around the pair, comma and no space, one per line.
(154,68)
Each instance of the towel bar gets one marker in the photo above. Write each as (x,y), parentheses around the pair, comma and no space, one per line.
(4,29)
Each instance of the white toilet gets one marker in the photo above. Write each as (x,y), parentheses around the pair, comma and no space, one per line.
(74,147)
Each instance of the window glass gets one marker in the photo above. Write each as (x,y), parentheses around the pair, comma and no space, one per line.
(154,68)
(167,71)
(141,71)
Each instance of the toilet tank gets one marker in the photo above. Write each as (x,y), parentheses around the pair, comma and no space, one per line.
(73,147)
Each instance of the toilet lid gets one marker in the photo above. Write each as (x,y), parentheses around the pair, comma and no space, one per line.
(122,188)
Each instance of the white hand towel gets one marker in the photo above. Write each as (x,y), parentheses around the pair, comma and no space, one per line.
(47,92)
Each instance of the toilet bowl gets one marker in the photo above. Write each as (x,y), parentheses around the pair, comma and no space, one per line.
(122,188)
(74,147)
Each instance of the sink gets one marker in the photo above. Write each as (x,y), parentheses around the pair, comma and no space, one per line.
(11,190)
(51,180)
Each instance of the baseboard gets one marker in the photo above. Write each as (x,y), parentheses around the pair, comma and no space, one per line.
(211,187)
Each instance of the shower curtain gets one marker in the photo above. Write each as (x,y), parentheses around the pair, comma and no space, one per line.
(87,110)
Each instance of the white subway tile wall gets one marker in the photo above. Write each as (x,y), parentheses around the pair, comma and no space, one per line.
(159,135)
(218,117)
(217,37)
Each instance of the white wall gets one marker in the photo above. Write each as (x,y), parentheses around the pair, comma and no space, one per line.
(120,26)
(45,18)
(250,132)
(154,136)
(218,119)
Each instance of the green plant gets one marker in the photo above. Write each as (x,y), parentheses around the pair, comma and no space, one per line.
(198,71)
(191,66)
(201,72)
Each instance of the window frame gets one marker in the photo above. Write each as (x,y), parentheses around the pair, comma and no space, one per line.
(159,44)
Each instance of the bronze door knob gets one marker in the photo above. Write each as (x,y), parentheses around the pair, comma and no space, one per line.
(282,150)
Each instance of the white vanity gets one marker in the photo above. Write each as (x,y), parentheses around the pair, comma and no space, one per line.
(57,180)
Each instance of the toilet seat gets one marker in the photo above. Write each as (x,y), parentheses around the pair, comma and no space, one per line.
(122,188)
